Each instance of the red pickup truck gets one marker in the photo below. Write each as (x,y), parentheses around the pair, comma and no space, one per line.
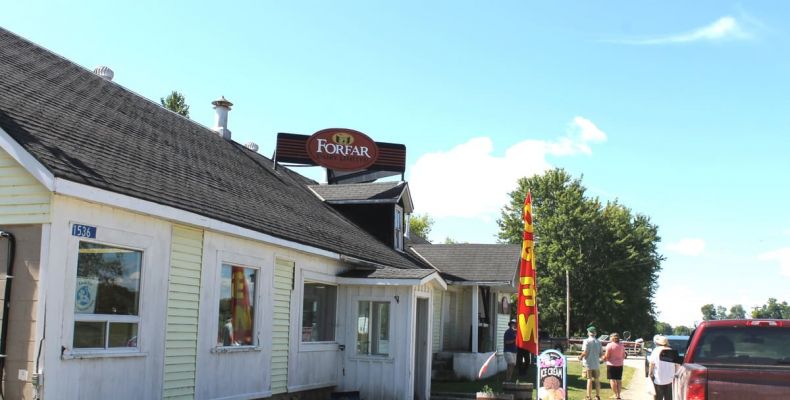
(734,359)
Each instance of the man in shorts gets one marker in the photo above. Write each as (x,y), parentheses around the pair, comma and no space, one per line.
(591,363)
(510,349)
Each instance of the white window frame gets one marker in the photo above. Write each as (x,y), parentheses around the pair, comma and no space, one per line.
(107,237)
(317,277)
(398,223)
(227,258)
(392,344)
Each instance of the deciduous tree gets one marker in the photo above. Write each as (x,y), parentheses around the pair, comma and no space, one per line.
(176,103)
(421,225)
(772,309)
(663,328)
(609,252)
(737,312)
(681,330)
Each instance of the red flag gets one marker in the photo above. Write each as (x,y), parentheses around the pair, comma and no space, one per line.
(527,310)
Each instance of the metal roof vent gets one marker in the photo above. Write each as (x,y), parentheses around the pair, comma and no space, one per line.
(252,146)
(104,72)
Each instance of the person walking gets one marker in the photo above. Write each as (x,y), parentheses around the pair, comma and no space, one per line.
(591,363)
(614,356)
(661,372)
(510,349)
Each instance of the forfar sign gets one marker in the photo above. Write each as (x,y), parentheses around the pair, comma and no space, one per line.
(342,149)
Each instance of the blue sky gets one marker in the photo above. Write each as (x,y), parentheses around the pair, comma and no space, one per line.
(678,110)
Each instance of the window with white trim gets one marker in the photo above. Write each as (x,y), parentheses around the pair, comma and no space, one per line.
(237,306)
(373,328)
(107,296)
(318,312)
(398,228)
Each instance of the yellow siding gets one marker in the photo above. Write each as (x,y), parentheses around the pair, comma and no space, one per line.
(182,313)
(283,283)
(437,320)
(23,200)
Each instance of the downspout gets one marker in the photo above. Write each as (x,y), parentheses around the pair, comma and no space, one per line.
(6,304)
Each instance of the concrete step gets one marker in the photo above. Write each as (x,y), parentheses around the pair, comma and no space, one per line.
(451,396)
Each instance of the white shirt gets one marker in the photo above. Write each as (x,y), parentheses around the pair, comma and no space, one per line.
(663,371)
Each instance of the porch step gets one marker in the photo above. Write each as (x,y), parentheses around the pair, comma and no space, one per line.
(443,375)
(451,396)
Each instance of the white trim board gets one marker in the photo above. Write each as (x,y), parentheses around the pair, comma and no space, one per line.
(394,281)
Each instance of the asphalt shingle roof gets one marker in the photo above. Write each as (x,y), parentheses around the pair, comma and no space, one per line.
(92,131)
(473,262)
(381,191)
(387,273)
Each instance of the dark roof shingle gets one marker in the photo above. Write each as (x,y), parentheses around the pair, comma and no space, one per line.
(377,191)
(88,130)
(472,262)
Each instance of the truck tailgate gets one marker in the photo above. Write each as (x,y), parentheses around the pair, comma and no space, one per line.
(754,384)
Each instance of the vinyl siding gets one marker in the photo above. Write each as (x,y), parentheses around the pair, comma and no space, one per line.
(182,313)
(437,320)
(23,200)
(283,284)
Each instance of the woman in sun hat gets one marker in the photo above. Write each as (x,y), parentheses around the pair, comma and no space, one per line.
(661,372)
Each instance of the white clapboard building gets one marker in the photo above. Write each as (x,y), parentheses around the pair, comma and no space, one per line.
(154,257)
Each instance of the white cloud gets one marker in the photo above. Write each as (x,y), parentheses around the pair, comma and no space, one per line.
(687,247)
(721,29)
(682,304)
(441,182)
(782,256)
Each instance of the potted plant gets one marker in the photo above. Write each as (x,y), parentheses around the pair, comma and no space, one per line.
(487,392)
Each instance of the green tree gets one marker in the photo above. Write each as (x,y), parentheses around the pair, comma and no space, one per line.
(176,103)
(663,328)
(421,225)
(610,255)
(737,312)
(681,330)
(708,312)
(772,309)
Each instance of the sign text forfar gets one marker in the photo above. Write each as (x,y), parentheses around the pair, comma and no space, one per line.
(342,149)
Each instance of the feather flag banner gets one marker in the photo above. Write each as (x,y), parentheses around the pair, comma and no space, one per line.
(527,309)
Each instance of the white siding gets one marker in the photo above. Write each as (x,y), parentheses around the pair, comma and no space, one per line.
(23,200)
(313,365)
(182,313)
(382,378)
(240,372)
(438,294)
(283,283)
(139,376)
(501,321)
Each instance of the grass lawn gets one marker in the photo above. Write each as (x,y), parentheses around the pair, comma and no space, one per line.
(576,385)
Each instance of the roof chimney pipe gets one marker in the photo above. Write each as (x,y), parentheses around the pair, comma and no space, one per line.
(221,107)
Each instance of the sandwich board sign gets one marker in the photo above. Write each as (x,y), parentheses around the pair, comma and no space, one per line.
(552,376)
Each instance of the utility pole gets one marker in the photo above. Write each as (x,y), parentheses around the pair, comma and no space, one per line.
(567,308)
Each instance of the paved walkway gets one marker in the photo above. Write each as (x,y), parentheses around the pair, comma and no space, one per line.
(637,388)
